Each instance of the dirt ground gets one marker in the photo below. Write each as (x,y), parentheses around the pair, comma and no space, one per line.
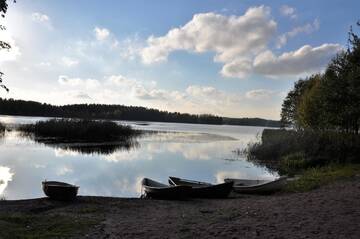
(332,211)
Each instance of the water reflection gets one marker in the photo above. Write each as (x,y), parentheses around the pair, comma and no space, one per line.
(5,178)
(84,147)
(105,149)
(197,154)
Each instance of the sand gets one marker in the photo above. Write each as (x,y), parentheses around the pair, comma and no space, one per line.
(332,211)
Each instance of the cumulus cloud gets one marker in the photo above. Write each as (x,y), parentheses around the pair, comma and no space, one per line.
(288,11)
(306,59)
(227,36)
(307,29)
(241,43)
(130,47)
(101,34)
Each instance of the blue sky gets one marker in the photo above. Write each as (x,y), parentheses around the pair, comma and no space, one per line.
(231,58)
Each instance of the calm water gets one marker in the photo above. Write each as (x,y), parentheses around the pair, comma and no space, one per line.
(200,152)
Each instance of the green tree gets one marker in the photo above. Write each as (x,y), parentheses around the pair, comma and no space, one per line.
(342,88)
(329,101)
(310,109)
(289,109)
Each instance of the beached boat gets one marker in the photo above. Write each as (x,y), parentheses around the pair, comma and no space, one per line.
(60,190)
(257,186)
(204,190)
(154,189)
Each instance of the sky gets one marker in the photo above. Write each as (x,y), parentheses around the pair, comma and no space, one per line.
(230,58)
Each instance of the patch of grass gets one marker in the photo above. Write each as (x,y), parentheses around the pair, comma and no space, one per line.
(313,178)
(21,225)
(80,130)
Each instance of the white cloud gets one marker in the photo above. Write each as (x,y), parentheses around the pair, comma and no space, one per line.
(130,47)
(42,19)
(307,29)
(227,36)
(101,34)
(306,59)
(259,94)
(239,68)
(241,43)
(288,11)
(69,62)
(78,82)
(39,17)
(82,95)
(11,54)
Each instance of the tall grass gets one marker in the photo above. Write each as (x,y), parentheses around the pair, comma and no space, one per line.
(80,130)
(290,152)
(2,127)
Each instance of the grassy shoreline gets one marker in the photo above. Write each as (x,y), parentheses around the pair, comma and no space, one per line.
(314,178)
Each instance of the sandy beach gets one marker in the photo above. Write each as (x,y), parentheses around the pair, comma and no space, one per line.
(332,211)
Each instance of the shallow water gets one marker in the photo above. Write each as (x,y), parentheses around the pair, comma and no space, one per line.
(199,152)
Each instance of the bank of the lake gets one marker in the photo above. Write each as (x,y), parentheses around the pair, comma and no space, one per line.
(331,211)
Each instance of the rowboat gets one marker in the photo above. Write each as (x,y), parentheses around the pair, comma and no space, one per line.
(154,189)
(59,190)
(202,189)
(257,186)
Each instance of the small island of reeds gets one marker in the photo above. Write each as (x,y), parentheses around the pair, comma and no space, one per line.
(75,130)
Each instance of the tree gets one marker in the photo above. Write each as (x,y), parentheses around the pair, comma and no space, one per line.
(3,45)
(310,109)
(289,109)
(342,87)
(328,101)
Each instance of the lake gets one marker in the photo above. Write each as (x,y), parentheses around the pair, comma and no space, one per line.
(192,151)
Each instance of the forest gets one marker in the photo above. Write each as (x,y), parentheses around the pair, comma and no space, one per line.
(120,112)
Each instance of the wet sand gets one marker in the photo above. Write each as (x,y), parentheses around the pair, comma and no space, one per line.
(332,211)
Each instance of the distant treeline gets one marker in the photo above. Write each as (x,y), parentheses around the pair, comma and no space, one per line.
(120,112)
(251,122)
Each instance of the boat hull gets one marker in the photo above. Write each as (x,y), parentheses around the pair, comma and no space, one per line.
(60,191)
(204,190)
(157,190)
(257,186)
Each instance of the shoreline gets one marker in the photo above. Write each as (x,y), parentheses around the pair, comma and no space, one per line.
(332,211)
